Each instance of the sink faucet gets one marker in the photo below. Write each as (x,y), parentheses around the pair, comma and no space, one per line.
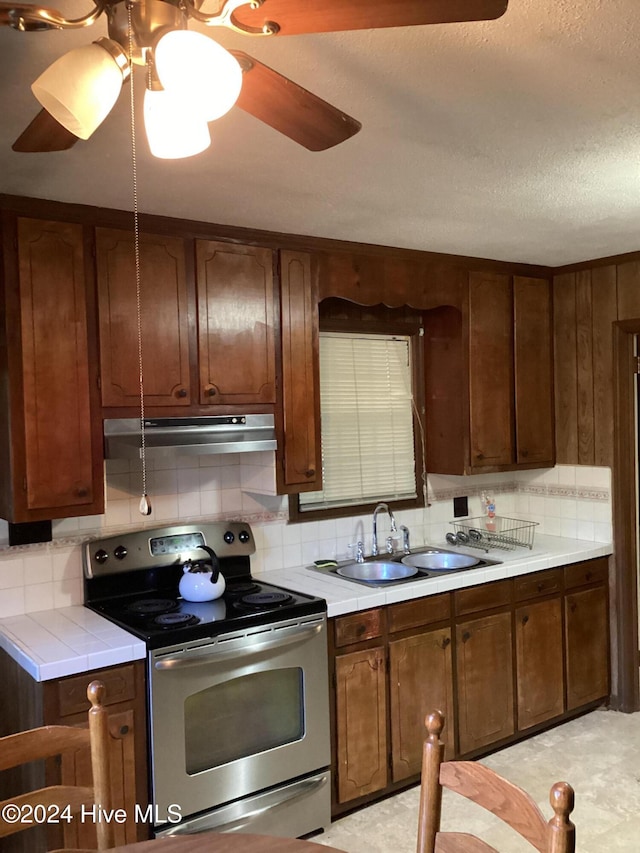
(405,539)
(394,529)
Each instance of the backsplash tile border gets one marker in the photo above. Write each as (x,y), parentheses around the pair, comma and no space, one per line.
(543,490)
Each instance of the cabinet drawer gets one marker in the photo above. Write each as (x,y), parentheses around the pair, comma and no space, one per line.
(72,692)
(483,597)
(421,611)
(591,571)
(538,584)
(358,627)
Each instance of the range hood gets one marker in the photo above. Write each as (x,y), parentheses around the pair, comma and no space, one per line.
(166,437)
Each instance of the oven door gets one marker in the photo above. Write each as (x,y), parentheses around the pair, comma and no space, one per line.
(237,714)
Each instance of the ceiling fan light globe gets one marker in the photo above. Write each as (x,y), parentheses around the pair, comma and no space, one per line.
(174,129)
(200,69)
(80,88)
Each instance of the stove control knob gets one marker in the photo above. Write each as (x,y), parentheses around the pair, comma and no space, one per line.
(120,553)
(228,537)
(101,556)
(244,536)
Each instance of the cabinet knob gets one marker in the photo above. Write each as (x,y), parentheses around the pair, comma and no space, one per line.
(181,392)
(540,587)
(310,473)
(82,492)
(124,730)
(525,619)
(466,636)
(445,642)
(211,392)
(588,576)
(573,607)
(360,630)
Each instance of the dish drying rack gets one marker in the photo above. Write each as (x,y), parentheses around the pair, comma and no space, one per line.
(496,532)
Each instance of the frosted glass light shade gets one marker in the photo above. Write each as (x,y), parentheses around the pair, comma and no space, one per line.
(200,69)
(80,88)
(174,128)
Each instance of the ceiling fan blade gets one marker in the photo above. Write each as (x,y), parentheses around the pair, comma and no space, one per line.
(290,109)
(44,134)
(323,16)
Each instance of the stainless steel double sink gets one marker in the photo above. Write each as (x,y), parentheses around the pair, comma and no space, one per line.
(419,564)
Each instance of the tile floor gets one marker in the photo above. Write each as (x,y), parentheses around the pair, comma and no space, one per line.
(599,754)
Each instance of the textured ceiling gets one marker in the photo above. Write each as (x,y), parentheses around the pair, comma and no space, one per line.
(515,139)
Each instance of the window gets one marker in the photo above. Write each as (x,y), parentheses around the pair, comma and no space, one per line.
(367,412)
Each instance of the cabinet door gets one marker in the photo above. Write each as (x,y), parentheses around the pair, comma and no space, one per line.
(587,646)
(300,466)
(62,461)
(535,425)
(484,672)
(164,319)
(420,680)
(361,723)
(540,678)
(76,770)
(236,323)
(491,370)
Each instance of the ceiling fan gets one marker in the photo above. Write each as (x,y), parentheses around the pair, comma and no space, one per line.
(135,28)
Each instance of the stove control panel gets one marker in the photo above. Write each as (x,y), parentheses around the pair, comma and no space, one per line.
(162,546)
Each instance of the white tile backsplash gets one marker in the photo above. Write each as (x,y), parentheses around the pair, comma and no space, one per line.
(565,501)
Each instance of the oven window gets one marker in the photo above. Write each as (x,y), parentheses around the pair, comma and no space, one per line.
(242,717)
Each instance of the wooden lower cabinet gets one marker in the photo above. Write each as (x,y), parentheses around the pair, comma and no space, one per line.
(540,680)
(484,675)
(361,713)
(65,703)
(586,634)
(498,659)
(420,679)
(29,704)
(586,626)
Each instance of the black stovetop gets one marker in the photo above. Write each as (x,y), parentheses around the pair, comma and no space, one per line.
(162,618)
(138,590)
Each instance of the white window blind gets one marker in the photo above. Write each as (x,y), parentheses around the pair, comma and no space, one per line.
(367,421)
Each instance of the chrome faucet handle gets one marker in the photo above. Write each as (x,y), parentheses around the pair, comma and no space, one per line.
(405,539)
(359,552)
(389,544)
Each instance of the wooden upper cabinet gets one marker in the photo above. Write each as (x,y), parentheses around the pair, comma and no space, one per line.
(533,339)
(55,449)
(299,455)
(491,385)
(164,319)
(236,323)
(489,378)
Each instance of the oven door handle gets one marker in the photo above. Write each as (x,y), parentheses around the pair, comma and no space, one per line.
(296,635)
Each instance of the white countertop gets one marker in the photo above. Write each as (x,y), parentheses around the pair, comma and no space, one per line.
(53,643)
(345,596)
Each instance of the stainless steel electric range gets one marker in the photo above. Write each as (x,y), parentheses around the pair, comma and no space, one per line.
(238,696)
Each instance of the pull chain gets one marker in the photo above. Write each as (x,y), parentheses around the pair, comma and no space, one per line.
(145,504)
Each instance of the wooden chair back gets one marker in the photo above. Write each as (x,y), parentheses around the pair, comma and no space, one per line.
(49,741)
(489,790)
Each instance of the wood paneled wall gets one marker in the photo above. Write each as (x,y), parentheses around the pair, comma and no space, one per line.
(586,303)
